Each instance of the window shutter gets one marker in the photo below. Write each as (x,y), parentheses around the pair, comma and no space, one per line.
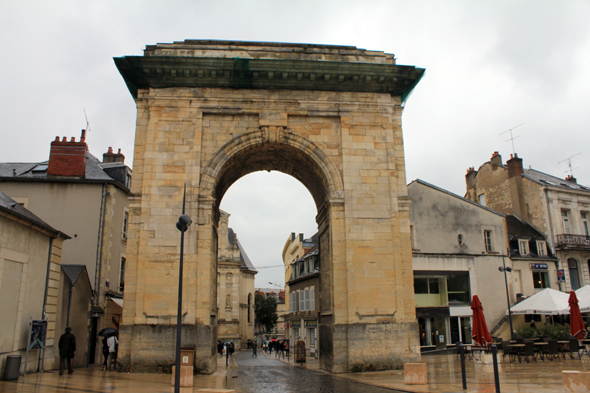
(312,299)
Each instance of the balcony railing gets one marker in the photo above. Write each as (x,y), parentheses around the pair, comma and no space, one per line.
(574,241)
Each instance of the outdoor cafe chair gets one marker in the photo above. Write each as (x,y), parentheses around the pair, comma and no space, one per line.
(529,352)
(551,350)
(574,347)
(508,351)
(519,340)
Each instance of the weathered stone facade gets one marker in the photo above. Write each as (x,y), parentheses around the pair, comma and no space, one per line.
(541,200)
(211,112)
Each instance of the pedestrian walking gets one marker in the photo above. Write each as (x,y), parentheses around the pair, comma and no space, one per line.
(113,343)
(231,349)
(67,350)
(220,347)
(227,355)
(254,345)
(105,353)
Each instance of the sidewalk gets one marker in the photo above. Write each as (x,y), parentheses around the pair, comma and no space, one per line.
(444,375)
(93,380)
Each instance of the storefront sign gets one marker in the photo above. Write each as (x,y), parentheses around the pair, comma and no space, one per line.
(295,324)
(311,324)
(539,266)
(560,275)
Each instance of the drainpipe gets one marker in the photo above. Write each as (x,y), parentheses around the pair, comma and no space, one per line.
(551,229)
(44,312)
(98,270)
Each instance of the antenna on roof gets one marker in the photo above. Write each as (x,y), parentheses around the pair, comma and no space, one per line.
(569,163)
(87,122)
(512,138)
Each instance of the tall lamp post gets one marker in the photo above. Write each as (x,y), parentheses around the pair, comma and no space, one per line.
(505,269)
(183,223)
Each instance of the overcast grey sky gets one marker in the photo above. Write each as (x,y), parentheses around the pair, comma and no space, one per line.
(490,66)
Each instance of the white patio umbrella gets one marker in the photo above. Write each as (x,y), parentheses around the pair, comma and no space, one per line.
(546,302)
(583,295)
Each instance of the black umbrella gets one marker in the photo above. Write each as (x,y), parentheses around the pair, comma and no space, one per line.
(108,332)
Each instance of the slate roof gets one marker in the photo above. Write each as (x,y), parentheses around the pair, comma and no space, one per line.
(516,227)
(246,263)
(549,180)
(37,171)
(10,206)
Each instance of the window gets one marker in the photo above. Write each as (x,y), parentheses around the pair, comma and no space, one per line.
(487,237)
(482,199)
(294,301)
(301,295)
(249,306)
(122,275)
(540,280)
(458,290)
(585,223)
(565,221)
(460,239)
(125,224)
(541,248)
(523,247)
(574,276)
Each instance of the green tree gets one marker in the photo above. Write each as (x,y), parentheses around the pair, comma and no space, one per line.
(266,311)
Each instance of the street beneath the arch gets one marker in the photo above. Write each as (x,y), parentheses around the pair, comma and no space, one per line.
(268,375)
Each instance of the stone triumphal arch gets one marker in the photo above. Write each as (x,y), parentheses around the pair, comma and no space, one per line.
(210,112)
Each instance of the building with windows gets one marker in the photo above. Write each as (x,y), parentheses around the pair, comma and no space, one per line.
(557,209)
(304,303)
(295,247)
(457,247)
(89,200)
(235,288)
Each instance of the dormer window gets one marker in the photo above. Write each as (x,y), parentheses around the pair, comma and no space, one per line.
(541,248)
(523,247)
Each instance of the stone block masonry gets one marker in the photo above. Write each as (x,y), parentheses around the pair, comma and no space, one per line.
(209,113)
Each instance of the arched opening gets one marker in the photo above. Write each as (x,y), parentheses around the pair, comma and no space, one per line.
(301,159)
(572,265)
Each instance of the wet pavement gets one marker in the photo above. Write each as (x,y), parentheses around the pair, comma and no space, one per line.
(264,374)
(268,374)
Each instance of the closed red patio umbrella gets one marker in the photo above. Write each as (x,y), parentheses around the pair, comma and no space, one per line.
(479,332)
(577,327)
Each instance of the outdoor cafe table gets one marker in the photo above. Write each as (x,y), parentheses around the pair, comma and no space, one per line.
(518,347)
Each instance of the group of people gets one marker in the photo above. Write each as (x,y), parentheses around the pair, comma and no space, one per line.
(229,350)
(67,351)
(281,348)
(110,348)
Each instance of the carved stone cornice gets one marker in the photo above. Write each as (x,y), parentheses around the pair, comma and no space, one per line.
(143,72)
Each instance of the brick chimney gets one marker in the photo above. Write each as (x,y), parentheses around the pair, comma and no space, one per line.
(571,178)
(496,160)
(109,156)
(514,166)
(68,158)
(470,178)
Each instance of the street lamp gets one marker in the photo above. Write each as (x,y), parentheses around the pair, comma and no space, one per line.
(505,269)
(183,223)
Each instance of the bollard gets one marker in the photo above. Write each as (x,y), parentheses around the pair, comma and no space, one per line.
(463,375)
(495,361)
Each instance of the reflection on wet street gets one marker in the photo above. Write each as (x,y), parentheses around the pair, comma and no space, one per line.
(261,375)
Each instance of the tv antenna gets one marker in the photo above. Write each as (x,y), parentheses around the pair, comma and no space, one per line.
(569,163)
(87,122)
(277,285)
(512,138)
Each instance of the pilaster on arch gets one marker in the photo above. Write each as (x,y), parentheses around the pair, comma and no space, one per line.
(279,136)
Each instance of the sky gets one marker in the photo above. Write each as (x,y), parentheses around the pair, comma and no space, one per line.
(491,66)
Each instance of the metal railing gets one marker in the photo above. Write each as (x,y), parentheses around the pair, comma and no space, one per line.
(573,241)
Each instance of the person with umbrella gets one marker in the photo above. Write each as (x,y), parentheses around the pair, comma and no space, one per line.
(112,342)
